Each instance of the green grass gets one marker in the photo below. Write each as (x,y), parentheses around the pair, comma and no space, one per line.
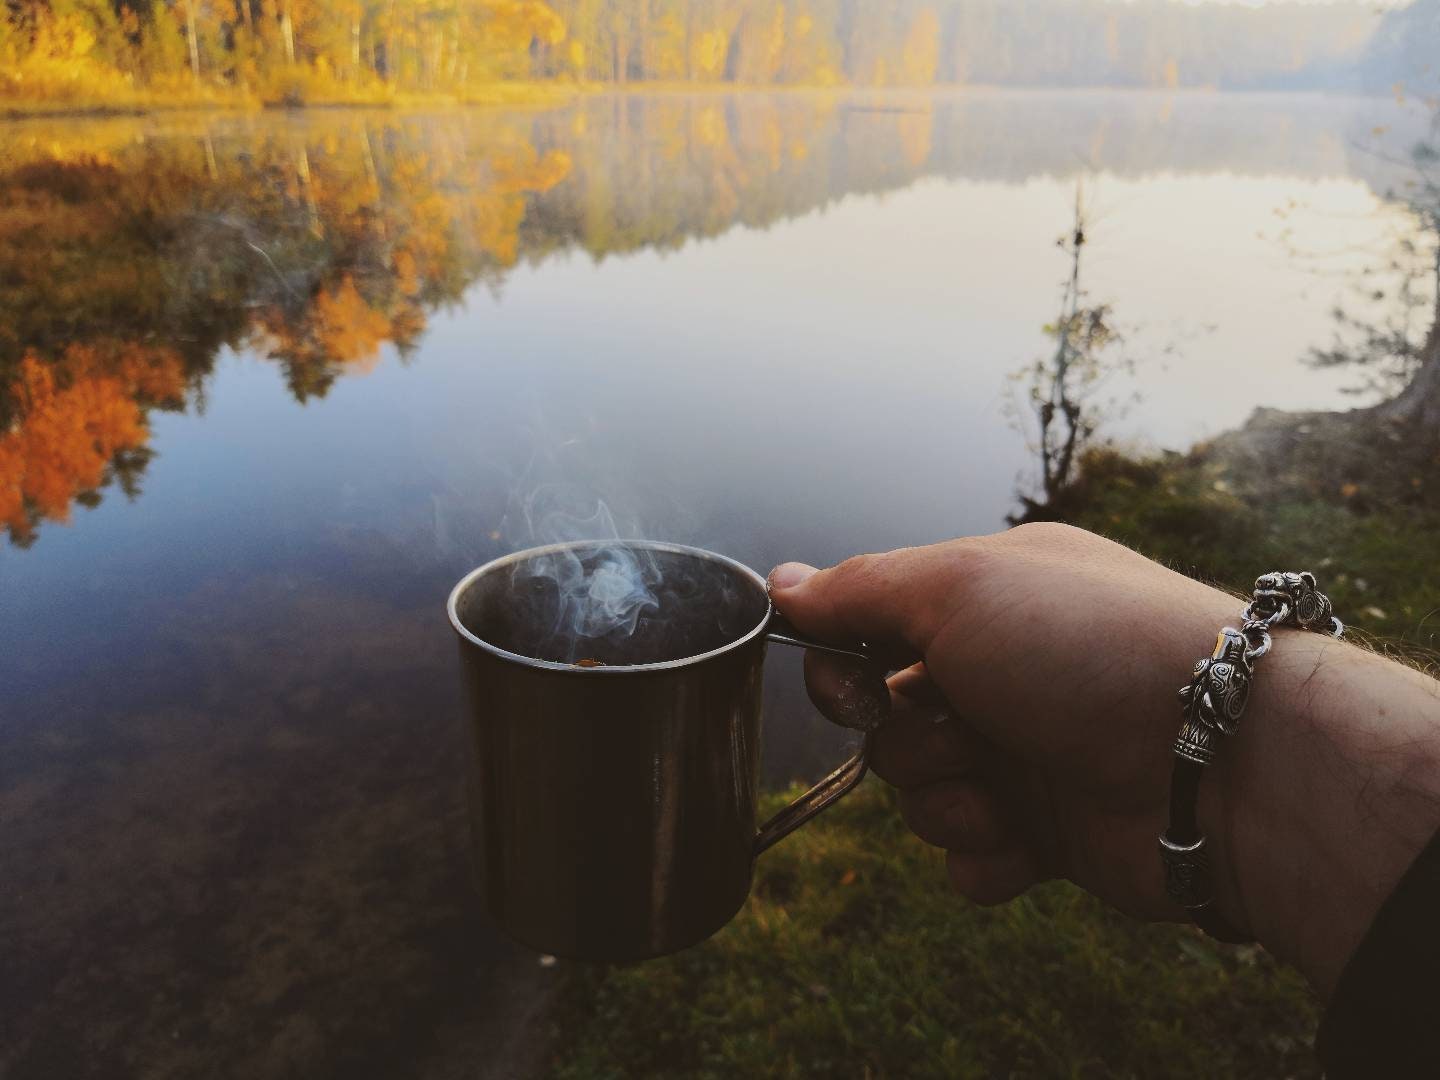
(1380,564)
(853,958)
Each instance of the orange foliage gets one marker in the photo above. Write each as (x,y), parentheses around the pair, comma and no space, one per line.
(75,416)
(348,329)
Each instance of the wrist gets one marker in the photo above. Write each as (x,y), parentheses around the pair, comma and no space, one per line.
(1321,801)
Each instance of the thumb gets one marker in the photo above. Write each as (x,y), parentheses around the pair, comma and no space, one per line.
(897,598)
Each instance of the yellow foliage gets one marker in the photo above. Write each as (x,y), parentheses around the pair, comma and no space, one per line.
(407,276)
(513,24)
(915,136)
(709,53)
(62,38)
(498,213)
(59,67)
(512,177)
(921,55)
(710,129)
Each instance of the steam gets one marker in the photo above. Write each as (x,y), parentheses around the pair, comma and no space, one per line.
(610,597)
(599,593)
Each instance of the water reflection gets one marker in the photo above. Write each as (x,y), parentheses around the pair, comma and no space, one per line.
(133,252)
(311,248)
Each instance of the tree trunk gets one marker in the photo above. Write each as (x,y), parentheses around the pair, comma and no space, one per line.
(192,39)
(287,31)
(302,171)
(211,166)
(646,61)
(1419,402)
(391,67)
(690,42)
(432,58)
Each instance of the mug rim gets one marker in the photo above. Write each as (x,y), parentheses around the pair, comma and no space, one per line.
(452,609)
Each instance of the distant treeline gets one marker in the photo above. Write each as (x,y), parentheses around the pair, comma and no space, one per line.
(75,48)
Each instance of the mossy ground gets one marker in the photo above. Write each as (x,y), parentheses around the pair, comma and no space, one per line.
(1378,560)
(852,958)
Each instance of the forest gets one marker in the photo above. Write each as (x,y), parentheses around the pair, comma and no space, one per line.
(291,52)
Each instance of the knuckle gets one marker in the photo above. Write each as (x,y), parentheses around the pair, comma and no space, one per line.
(1048,534)
(917,810)
(968,556)
(861,573)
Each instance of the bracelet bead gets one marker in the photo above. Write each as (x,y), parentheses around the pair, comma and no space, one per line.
(1188,880)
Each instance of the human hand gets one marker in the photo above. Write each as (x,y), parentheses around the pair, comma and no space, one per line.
(1030,734)
(1032,723)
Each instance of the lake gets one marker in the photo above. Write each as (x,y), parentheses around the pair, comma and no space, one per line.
(277,380)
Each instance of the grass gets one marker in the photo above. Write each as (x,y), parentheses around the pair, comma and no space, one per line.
(853,959)
(123,101)
(1379,562)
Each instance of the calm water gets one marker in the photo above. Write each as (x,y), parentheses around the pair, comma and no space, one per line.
(315,367)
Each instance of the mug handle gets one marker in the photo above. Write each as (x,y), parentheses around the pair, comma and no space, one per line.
(840,782)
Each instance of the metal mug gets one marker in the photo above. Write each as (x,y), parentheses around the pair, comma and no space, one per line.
(613,799)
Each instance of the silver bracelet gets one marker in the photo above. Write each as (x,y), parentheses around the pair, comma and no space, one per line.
(1213,703)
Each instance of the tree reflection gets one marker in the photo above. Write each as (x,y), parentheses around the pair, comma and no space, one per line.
(130,259)
(320,241)
(127,269)
(81,426)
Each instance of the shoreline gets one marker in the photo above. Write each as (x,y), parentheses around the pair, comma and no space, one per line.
(503,95)
(553,95)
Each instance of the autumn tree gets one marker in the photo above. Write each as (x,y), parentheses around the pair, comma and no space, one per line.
(291,50)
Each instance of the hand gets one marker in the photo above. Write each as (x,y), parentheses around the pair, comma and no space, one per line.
(1031,731)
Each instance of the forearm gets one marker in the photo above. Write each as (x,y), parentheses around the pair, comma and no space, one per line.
(1324,798)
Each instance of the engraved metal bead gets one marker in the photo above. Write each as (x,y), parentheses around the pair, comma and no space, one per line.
(1187,872)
